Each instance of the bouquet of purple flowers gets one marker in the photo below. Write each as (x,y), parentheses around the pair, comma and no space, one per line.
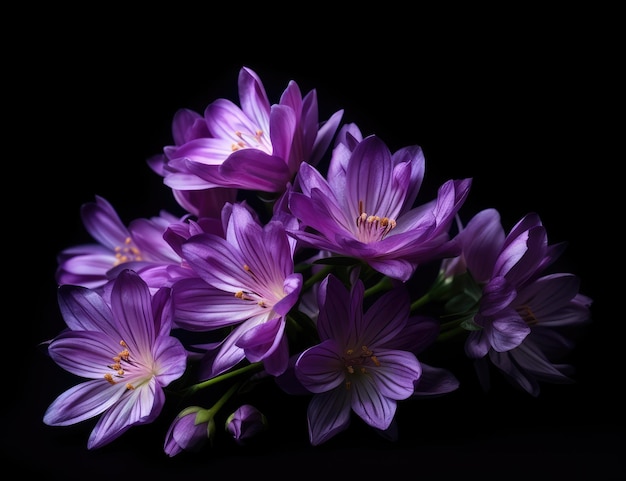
(305,258)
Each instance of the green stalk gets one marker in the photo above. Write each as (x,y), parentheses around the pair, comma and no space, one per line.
(383,285)
(255,366)
(420,302)
(444,336)
(318,276)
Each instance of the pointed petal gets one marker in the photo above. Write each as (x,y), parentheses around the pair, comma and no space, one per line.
(85,309)
(132,311)
(320,367)
(82,401)
(253,98)
(139,406)
(328,414)
(435,381)
(367,402)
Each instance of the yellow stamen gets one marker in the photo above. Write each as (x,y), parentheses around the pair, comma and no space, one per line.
(528,315)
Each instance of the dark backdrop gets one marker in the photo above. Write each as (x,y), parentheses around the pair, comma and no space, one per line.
(518,103)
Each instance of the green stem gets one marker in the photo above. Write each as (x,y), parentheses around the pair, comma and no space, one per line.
(444,336)
(255,366)
(318,276)
(383,285)
(225,397)
(420,302)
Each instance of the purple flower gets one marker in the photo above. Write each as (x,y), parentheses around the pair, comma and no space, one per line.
(365,208)
(245,423)
(357,365)
(195,198)
(138,246)
(257,146)
(125,351)
(190,431)
(524,317)
(504,268)
(550,306)
(247,280)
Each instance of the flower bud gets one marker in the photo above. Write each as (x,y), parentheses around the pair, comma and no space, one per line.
(189,431)
(245,423)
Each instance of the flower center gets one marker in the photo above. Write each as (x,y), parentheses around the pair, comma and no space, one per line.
(372,228)
(120,365)
(128,252)
(266,299)
(254,140)
(527,315)
(356,363)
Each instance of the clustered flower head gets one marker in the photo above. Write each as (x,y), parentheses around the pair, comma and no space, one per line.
(293,261)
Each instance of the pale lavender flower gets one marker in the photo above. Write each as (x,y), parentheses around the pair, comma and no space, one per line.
(357,366)
(245,423)
(365,208)
(126,352)
(257,146)
(137,247)
(190,431)
(247,281)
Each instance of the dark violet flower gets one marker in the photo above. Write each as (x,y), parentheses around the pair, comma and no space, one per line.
(365,208)
(190,431)
(245,423)
(357,366)
(551,306)
(257,146)
(523,253)
(139,246)
(247,281)
(521,318)
(125,351)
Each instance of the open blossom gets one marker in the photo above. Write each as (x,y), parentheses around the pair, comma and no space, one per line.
(357,365)
(522,312)
(365,208)
(257,146)
(195,198)
(279,272)
(138,246)
(126,352)
(247,281)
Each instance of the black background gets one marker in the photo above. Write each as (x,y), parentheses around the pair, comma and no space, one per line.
(525,102)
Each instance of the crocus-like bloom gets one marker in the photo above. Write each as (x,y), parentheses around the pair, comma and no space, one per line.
(195,198)
(137,247)
(126,352)
(357,365)
(245,423)
(247,280)
(190,431)
(521,319)
(365,208)
(257,146)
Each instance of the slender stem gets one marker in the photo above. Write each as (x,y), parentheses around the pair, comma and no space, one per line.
(383,285)
(255,366)
(225,397)
(444,336)
(420,302)
(318,276)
